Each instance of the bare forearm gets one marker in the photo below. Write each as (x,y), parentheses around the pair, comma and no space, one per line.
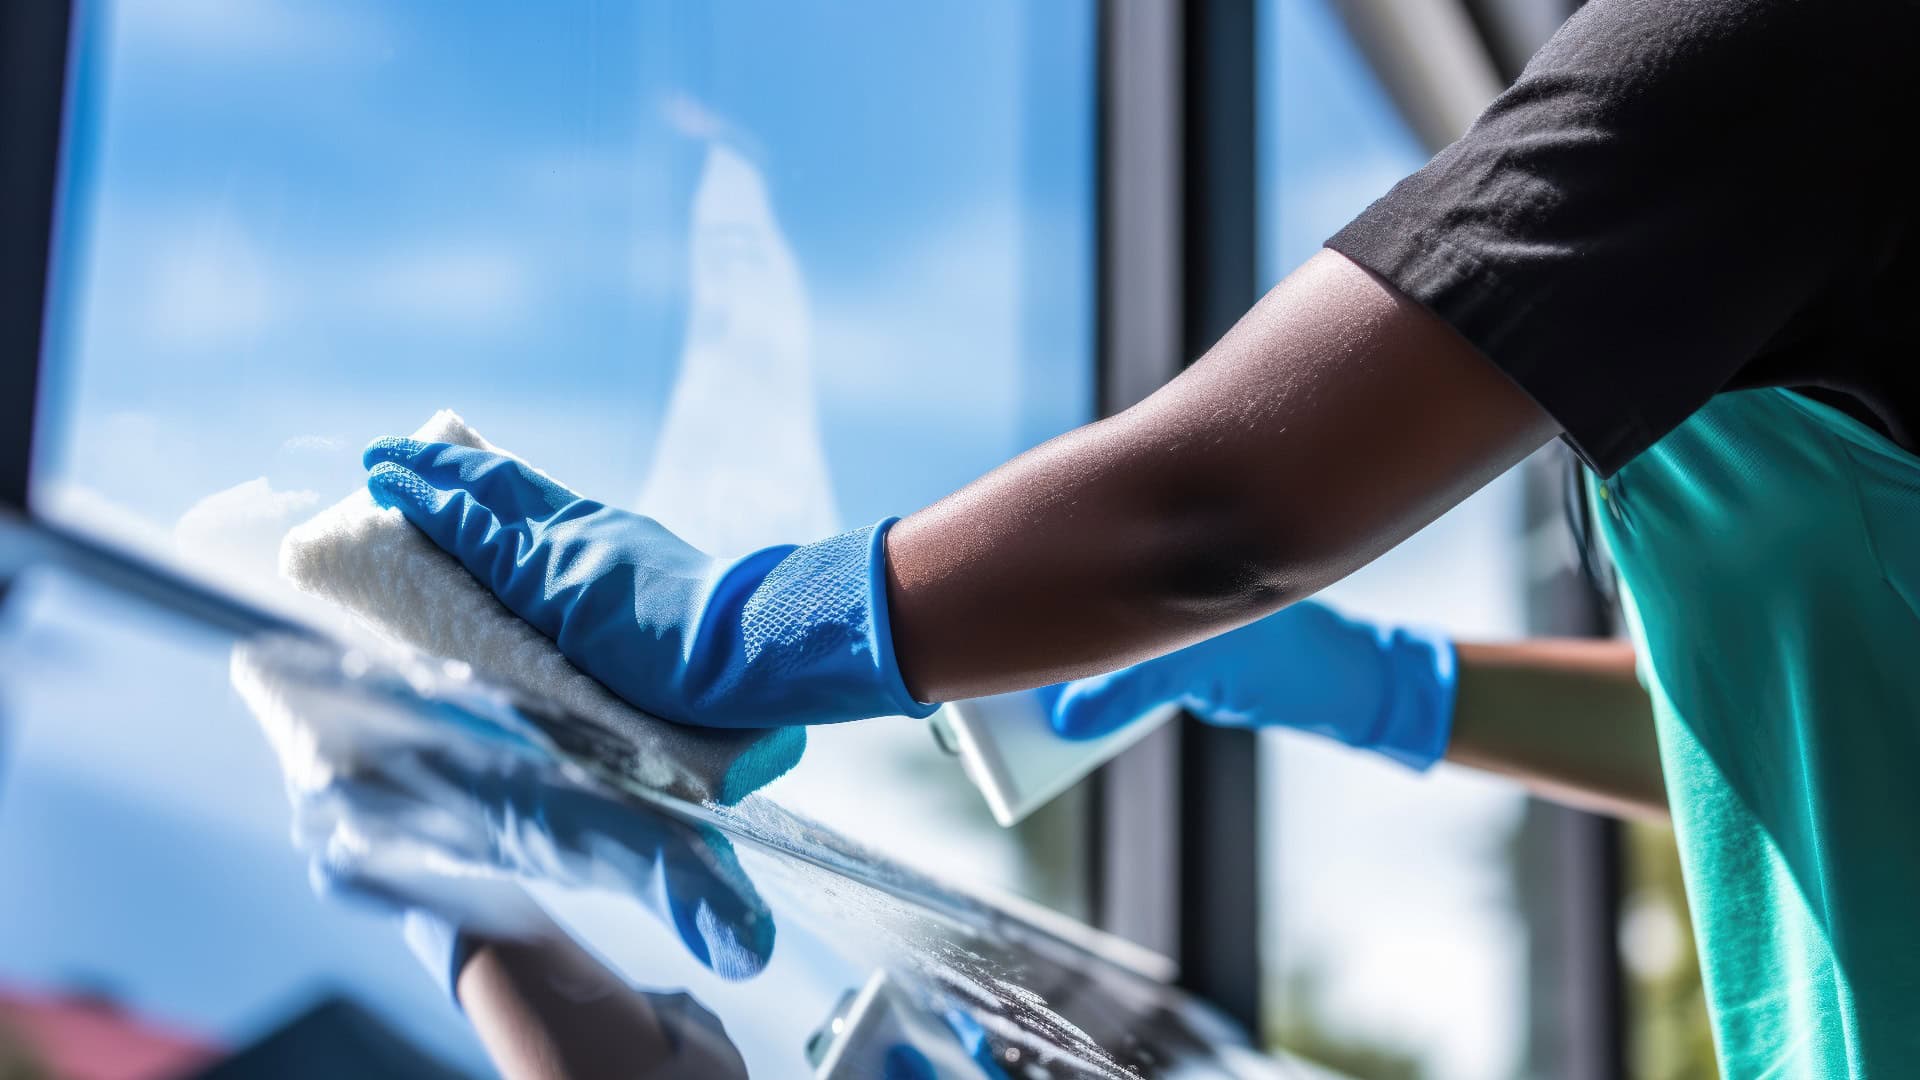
(547,1011)
(1567,718)
(1333,421)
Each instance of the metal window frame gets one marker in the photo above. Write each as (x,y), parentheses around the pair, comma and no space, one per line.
(33,66)
(1575,962)
(1134,849)
(1220,894)
(1578,1026)
(35,59)
(1175,847)
(1441,62)
(1512,30)
(1175,824)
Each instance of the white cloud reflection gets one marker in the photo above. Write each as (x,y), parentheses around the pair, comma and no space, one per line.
(740,463)
(207,279)
(251,32)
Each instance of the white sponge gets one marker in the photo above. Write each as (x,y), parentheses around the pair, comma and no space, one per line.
(375,564)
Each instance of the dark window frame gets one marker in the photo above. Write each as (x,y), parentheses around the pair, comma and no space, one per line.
(1175,824)
(33,65)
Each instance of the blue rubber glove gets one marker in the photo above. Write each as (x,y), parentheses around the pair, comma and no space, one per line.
(1386,689)
(786,635)
(903,1062)
(973,1038)
(439,946)
(958,1046)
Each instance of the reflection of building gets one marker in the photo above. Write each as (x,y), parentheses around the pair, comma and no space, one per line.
(79,1035)
(739,463)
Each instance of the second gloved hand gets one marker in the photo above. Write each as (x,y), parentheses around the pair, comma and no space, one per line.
(1386,689)
(786,635)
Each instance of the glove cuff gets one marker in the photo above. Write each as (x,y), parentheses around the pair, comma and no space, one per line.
(813,643)
(1416,719)
(440,947)
(899,700)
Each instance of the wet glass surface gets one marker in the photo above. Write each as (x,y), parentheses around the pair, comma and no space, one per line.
(212,831)
(762,270)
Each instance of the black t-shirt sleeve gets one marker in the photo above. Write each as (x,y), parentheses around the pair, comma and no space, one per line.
(1652,203)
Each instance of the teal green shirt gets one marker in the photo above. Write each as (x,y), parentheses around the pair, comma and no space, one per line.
(1769,555)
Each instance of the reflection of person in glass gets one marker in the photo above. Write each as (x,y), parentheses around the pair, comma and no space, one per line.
(438,810)
(1621,253)
(415,796)
(545,1007)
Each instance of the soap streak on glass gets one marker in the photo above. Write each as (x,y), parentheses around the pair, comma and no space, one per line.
(1041,999)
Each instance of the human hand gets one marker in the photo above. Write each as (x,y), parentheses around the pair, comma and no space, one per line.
(785,635)
(1384,688)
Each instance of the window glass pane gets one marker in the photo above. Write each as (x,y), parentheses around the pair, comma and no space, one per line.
(764,270)
(1395,947)
(153,913)
(149,889)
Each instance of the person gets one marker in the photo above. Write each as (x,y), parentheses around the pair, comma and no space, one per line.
(1683,243)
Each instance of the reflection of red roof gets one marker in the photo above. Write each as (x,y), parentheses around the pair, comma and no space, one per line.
(84,1038)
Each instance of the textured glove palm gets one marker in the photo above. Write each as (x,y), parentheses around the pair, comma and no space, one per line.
(1387,689)
(786,635)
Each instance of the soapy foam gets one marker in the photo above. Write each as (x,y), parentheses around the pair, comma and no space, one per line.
(394,580)
(944,945)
